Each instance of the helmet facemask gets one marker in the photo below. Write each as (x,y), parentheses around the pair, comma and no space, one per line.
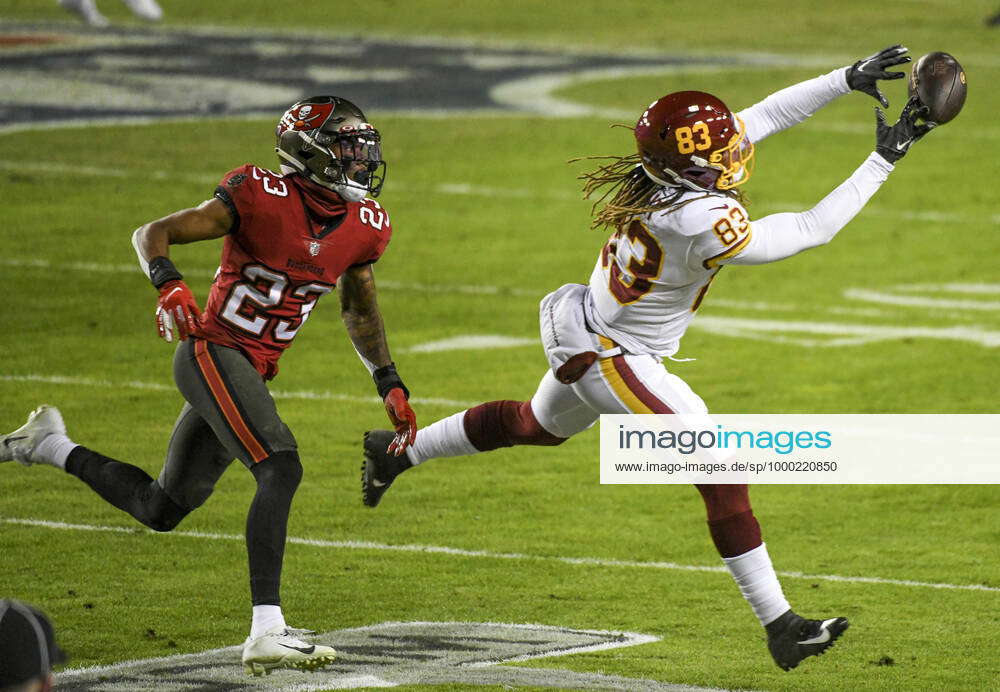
(340,152)
(349,163)
(735,160)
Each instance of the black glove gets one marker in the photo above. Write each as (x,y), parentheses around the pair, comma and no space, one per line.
(892,143)
(864,74)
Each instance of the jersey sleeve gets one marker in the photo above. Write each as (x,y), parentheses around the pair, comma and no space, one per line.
(793,104)
(719,228)
(778,236)
(235,191)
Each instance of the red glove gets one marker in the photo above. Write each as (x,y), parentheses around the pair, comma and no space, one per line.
(176,307)
(403,419)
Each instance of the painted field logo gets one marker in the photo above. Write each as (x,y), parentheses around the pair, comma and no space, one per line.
(136,74)
(387,655)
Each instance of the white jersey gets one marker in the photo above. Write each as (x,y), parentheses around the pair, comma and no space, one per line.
(651,276)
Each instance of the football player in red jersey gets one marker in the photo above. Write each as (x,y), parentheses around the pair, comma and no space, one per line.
(675,219)
(290,238)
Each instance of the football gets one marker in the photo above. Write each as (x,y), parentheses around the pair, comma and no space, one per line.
(939,82)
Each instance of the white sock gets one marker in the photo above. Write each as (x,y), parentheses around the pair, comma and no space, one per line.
(265,618)
(55,448)
(758,583)
(445,438)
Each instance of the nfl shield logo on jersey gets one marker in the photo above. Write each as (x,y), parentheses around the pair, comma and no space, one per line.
(313,248)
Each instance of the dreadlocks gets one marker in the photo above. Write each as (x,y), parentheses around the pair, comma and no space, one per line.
(632,192)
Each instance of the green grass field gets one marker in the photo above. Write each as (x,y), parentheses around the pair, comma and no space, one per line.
(78,332)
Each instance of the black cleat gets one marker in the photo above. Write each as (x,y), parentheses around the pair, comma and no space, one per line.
(380,468)
(791,638)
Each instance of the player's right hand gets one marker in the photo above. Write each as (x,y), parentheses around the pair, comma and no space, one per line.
(863,75)
(176,308)
(403,419)
(892,143)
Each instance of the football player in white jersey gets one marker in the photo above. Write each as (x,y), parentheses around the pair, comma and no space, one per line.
(676,218)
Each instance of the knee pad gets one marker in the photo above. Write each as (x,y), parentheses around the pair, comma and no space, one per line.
(281,469)
(505,424)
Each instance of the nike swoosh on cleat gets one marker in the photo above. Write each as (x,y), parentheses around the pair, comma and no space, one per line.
(378,484)
(302,650)
(822,638)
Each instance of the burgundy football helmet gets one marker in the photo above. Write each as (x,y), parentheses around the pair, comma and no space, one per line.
(328,140)
(691,138)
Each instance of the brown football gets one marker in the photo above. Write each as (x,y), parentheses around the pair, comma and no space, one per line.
(939,82)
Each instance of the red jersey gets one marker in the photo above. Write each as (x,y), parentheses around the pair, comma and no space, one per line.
(279,259)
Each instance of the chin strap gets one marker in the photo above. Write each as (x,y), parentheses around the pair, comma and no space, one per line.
(351,193)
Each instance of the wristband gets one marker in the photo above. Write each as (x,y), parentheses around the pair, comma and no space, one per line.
(162,270)
(387,378)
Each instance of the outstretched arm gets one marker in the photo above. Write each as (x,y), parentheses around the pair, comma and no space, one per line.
(177,306)
(359,310)
(794,104)
(779,236)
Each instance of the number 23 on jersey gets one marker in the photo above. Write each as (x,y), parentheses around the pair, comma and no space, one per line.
(250,302)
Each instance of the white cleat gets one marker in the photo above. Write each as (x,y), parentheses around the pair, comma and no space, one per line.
(21,444)
(86,9)
(145,9)
(281,648)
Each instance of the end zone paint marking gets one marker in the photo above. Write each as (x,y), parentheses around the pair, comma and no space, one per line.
(462,552)
(465,654)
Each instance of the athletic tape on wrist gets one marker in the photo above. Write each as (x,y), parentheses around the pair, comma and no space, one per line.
(162,270)
(386,378)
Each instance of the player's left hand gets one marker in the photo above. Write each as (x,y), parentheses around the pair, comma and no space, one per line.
(865,73)
(893,142)
(176,308)
(403,419)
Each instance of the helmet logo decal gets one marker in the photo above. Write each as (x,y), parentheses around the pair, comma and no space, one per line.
(307,116)
(303,117)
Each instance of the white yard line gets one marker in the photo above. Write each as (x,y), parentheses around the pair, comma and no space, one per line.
(779,331)
(276,393)
(849,334)
(463,190)
(466,289)
(486,554)
(472,342)
(100,268)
